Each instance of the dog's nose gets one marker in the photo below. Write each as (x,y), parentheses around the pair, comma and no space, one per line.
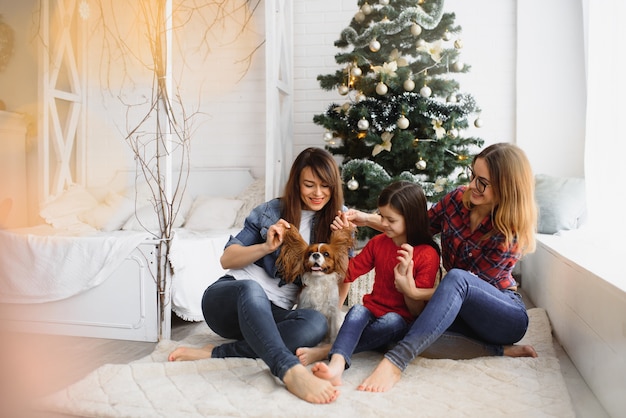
(316,256)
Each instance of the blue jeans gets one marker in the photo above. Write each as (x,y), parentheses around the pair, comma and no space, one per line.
(240,310)
(492,316)
(362,331)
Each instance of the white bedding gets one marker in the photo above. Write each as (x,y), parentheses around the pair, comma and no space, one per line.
(43,264)
(194,257)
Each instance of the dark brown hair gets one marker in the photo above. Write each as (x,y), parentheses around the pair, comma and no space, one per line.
(325,167)
(408,200)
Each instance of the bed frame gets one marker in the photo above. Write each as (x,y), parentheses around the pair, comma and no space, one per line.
(124,306)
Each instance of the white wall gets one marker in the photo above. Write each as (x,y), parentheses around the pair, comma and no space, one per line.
(551,85)
(489,47)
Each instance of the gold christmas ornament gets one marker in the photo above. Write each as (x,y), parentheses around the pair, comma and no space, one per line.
(374,45)
(352,184)
(409,85)
(458,44)
(363,124)
(366,9)
(425,92)
(416,30)
(359,16)
(381,88)
(403,122)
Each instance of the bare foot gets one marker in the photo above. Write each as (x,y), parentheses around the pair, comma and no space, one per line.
(191,353)
(304,385)
(520,351)
(328,372)
(384,376)
(309,355)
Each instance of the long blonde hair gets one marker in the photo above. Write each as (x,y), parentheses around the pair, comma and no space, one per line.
(513,183)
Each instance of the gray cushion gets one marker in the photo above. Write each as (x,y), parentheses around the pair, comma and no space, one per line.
(561,202)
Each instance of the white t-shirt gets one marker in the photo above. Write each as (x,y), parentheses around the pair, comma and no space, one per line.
(283,296)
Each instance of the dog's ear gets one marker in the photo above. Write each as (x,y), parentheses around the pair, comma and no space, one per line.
(290,261)
(342,240)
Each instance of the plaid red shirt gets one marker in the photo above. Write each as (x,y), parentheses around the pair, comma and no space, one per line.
(461,248)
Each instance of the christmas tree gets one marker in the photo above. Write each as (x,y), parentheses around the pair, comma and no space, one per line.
(403,115)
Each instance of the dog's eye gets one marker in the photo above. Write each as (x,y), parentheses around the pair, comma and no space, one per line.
(326,254)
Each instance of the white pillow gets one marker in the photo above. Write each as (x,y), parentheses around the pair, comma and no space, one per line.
(561,202)
(63,210)
(111,214)
(209,212)
(252,197)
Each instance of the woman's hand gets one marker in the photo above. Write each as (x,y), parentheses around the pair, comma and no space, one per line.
(275,235)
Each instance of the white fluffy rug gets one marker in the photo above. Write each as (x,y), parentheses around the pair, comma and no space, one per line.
(153,387)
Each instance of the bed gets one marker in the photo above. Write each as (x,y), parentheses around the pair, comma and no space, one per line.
(105,286)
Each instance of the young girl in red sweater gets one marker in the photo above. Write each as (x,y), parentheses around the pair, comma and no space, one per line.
(388,311)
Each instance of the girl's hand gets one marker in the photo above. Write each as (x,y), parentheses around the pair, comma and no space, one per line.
(342,221)
(403,278)
(405,256)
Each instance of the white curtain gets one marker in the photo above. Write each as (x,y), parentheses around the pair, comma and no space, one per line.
(605,139)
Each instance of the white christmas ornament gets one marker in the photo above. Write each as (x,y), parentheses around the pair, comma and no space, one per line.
(453,133)
(403,122)
(343,89)
(328,136)
(409,85)
(360,97)
(478,123)
(363,124)
(420,43)
(356,72)
(451,98)
(421,164)
(352,184)
(383,2)
(374,45)
(381,88)
(416,29)
(458,66)
(425,91)
(447,36)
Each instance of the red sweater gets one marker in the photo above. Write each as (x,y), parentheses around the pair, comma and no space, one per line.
(380,254)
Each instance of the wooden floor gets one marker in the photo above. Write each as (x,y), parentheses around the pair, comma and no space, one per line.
(33,366)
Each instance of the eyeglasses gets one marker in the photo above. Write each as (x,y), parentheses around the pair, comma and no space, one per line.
(481,182)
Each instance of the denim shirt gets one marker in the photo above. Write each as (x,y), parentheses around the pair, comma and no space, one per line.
(255,232)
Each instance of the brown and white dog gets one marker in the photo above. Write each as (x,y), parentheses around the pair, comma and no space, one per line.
(321,267)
